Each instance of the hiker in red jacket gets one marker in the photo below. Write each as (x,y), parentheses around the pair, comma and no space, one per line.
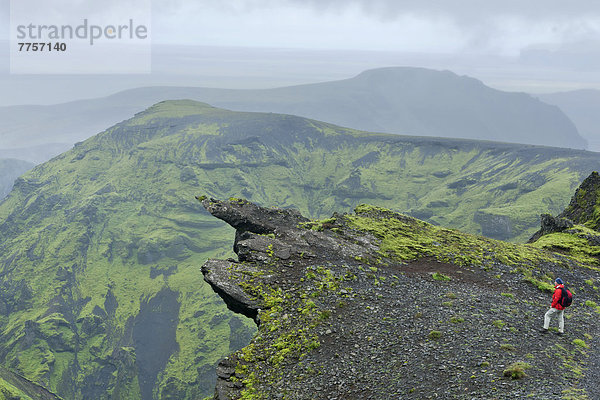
(556,308)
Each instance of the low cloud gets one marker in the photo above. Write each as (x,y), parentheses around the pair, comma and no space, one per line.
(467,26)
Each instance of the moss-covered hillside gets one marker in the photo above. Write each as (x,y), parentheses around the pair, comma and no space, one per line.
(100,295)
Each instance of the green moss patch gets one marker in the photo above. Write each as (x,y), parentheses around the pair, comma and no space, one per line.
(516,370)
(578,243)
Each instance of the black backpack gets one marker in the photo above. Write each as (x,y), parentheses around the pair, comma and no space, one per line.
(566,297)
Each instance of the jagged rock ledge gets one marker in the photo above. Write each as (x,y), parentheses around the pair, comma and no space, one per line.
(264,234)
(378,305)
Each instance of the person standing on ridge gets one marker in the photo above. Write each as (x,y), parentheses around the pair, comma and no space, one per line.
(556,308)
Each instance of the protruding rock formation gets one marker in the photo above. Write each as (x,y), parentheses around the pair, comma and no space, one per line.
(551,224)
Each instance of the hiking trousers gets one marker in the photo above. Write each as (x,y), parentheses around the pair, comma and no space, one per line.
(561,319)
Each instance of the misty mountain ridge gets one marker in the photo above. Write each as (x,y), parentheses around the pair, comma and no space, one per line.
(400,100)
(35,154)
(581,106)
(100,247)
(10,169)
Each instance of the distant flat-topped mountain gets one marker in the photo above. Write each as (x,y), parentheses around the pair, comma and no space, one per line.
(402,100)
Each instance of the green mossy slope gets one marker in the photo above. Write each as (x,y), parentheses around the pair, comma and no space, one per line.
(15,387)
(9,392)
(578,242)
(100,248)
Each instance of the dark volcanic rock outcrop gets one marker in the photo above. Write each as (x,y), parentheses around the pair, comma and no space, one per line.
(584,209)
(378,305)
(551,224)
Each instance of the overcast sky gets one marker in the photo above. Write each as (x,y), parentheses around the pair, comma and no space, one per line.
(451,26)
(529,45)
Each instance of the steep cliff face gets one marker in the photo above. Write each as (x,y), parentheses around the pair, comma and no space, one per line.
(380,305)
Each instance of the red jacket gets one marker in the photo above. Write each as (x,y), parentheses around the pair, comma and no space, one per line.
(556,297)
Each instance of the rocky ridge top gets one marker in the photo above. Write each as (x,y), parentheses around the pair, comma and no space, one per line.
(378,305)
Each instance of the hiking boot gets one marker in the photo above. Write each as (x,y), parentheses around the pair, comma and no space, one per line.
(560,333)
(544,330)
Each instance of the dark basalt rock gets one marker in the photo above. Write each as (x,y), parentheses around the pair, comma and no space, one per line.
(551,224)
(253,245)
(216,274)
(246,216)
(555,224)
